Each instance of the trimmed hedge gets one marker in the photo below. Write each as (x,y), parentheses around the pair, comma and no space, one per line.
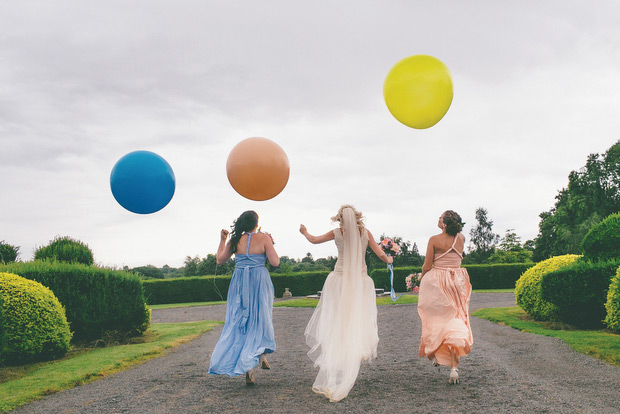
(213,288)
(580,291)
(612,320)
(492,276)
(602,242)
(33,325)
(528,287)
(96,299)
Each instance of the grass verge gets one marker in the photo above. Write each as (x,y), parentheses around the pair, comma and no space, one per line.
(598,344)
(186,305)
(23,384)
(311,303)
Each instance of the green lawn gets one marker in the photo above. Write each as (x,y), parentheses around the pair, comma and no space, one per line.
(596,343)
(23,384)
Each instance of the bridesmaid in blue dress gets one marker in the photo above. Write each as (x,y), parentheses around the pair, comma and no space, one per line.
(248,330)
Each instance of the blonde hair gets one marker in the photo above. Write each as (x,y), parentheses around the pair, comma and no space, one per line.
(358,217)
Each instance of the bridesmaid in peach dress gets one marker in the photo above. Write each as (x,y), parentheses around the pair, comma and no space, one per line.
(444,296)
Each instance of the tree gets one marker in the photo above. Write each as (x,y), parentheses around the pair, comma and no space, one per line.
(593,192)
(482,238)
(149,271)
(510,250)
(8,253)
(191,265)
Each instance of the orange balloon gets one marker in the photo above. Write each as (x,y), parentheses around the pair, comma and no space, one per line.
(257,168)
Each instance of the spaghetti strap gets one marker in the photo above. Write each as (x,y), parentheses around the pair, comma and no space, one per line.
(247,248)
(449,250)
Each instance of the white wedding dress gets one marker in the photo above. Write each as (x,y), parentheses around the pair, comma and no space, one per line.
(343,329)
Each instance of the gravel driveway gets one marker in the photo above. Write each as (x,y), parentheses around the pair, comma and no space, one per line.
(507,372)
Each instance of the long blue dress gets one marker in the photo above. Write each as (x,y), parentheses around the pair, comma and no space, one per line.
(248,328)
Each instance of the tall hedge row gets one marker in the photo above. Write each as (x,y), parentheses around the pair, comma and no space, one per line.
(579,290)
(213,288)
(95,299)
(493,276)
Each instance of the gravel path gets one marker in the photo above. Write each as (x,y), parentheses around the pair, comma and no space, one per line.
(507,372)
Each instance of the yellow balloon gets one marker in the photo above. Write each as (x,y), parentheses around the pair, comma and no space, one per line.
(418,91)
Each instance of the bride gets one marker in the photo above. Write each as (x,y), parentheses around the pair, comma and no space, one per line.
(343,329)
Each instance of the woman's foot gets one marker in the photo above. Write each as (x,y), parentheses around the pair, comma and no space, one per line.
(435,363)
(249,377)
(454,376)
(263,362)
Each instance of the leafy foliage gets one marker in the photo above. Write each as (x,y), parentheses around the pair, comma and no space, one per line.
(579,291)
(593,193)
(510,250)
(33,325)
(96,300)
(149,271)
(65,249)
(603,240)
(8,253)
(612,306)
(528,288)
(482,239)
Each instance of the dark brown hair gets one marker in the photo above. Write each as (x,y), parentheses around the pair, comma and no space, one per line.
(453,222)
(246,222)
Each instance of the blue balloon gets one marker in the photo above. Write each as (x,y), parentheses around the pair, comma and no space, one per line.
(142,182)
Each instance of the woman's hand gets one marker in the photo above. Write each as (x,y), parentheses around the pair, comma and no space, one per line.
(302,229)
(389,260)
(224,234)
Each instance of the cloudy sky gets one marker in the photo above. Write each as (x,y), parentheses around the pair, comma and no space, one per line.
(536,89)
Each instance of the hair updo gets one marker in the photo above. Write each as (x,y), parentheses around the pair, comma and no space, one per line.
(247,221)
(358,216)
(453,222)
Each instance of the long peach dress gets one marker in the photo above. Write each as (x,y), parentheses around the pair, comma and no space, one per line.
(443,307)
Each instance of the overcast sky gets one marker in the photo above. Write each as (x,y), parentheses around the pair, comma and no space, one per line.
(536,89)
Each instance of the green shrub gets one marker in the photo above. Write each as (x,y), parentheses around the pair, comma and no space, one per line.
(96,299)
(602,242)
(612,320)
(528,287)
(34,326)
(484,276)
(579,291)
(300,283)
(65,249)
(186,289)
(212,288)
(8,253)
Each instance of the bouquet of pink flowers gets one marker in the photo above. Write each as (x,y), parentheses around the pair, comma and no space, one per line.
(413,282)
(389,247)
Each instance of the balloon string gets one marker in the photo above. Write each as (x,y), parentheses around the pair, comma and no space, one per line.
(215,284)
